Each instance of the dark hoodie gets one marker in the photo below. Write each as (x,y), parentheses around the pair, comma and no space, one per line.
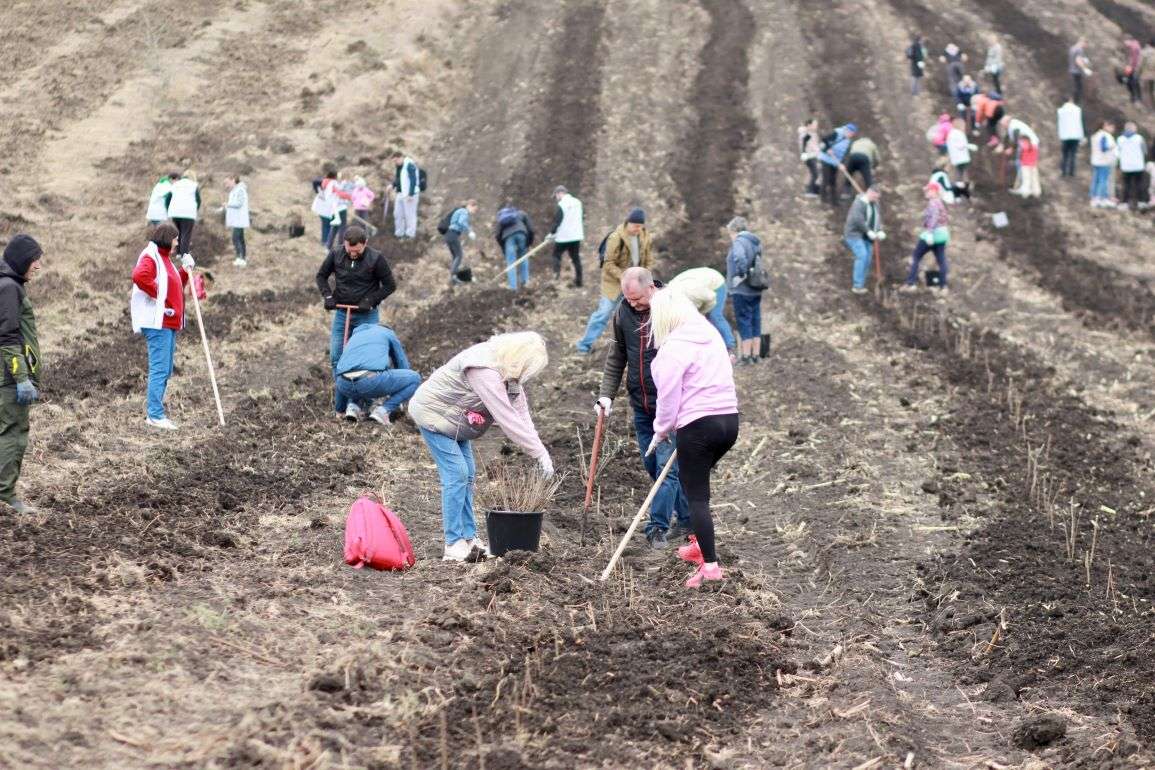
(19,347)
(743,251)
(631,354)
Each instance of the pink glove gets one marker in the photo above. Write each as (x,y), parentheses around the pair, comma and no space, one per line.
(475,418)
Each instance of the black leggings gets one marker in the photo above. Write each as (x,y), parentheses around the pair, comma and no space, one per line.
(573,248)
(856,161)
(701,444)
(184,228)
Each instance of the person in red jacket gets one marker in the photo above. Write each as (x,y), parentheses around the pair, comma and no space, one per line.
(157,306)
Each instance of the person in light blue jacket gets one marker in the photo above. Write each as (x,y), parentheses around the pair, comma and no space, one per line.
(459,225)
(833,152)
(374,366)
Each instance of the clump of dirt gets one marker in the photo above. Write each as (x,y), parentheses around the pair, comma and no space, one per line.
(445,329)
(1039,732)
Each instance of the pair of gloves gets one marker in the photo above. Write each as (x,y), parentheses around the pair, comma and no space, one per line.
(602,408)
(364,306)
(876,235)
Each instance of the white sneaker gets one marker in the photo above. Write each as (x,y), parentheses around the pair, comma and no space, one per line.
(459,551)
(857,290)
(908,288)
(163,423)
(353,413)
(480,545)
(240,262)
(380,415)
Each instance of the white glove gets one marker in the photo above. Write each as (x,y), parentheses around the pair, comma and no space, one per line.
(472,236)
(880,236)
(546,466)
(973,147)
(603,406)
(187,262)
(922,65)
(871,235)
(654,443)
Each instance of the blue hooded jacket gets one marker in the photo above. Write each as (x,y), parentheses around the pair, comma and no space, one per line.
(743,250)
(372,348)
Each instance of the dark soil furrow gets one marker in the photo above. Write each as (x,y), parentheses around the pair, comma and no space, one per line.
(1005,401)
(1103,297)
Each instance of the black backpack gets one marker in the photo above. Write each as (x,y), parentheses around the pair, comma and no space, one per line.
(443,223)
(756,276)
(422,179)
(602,249)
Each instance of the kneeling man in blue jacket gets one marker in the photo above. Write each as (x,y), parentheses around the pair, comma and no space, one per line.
(374,366)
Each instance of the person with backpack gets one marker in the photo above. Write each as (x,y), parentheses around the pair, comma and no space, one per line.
(938,133)
(20,357)
(514,234)
(630,355)
(481,386)
(1071,135)
(567,233)
(862,230)
(629,245)
(934,237)
(1132,160)
(408,184)
(1104,156)
(237,218)
(808,141)
(362,279)
(747,279)
(916,55)
(157,312)
(157,210)
(862,158)
(706,288)
(182,203)
(698,401)
(373,366)
(833,150)
(455,224)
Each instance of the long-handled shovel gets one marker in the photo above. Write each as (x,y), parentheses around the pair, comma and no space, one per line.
(208,356)
(640,515)
(877,252)
(349,310)
(593,471)
(523,258)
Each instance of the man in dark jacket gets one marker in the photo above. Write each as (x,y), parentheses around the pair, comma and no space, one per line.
(20,354)
(362,280)
(514,234)
(631,354)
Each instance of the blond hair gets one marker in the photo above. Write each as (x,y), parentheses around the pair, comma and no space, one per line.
(190,174)
(669,309)
(519,355)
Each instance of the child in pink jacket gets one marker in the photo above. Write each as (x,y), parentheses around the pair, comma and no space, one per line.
(363,198)
(696,397)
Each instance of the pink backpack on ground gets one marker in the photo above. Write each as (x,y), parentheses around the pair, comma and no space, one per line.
(375,536)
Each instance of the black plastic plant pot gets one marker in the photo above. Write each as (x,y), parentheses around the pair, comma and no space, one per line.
(513,531)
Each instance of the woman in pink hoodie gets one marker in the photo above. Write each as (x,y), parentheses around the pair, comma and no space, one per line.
(696,397)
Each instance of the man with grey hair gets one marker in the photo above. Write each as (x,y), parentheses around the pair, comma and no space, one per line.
(631,354)
(746,279)
(567,233)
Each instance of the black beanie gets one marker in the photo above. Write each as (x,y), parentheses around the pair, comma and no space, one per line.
(636,217)
(21,252)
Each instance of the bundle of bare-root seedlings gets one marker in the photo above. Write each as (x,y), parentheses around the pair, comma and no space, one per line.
(504,486)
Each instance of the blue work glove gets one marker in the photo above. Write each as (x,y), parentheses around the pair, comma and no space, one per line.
(26,393)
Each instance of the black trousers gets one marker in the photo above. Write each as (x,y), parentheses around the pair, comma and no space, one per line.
(812,165)
(1135,89)
(184,229)
(239,242)
(456,254)
(701,444)
(856,161)
(1070,154)
(574,249)
(1077,87)
(830,183)
(1132,187)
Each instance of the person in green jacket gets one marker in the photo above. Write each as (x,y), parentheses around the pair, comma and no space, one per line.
(20,355)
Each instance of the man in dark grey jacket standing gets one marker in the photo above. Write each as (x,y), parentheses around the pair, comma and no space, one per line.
(863,228)
(20,354)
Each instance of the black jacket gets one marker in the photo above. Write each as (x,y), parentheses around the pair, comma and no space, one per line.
(522,225)
(19,346)
(366,278)
(631,353)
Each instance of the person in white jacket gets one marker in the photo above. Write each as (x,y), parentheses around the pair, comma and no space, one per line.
(157,206)
(1104,155)
(958,149)
(182,203)
(567,233)
(1071,135)
(237,218)
(406,195)
(1132,159)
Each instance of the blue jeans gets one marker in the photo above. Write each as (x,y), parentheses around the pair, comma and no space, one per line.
(161,349)
(861,250)
(670,498)
(396,386)
(1100,182)
(325,225)
(598,322)
(719,320)
(337,345)
(456,469)
(748,315)
(514,247)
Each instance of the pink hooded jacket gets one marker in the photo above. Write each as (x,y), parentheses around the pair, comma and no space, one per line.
(693,376)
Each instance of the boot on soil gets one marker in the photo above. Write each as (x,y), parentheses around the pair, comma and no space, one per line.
(20,506)
(692,552)
(353,413)
(705,573)
(162,423)
(657,539)
(680,532)
(379,414)
(458,552)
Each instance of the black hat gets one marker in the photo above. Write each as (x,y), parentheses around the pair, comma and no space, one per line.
(21,252)
(636,217)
